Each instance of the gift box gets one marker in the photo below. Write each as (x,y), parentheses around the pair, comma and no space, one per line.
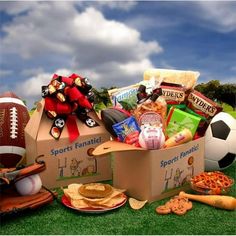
(154,174)
(177,120)
(67,162)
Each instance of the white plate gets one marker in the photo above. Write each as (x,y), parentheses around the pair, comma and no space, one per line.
(66,203)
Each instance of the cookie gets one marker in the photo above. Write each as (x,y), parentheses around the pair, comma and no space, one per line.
(163,210)
(178,209)
(177,204)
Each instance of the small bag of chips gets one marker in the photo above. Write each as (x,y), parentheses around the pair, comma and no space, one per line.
(202,105)
(127,130)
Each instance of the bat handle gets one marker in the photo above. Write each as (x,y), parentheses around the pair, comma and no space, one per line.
(223,202)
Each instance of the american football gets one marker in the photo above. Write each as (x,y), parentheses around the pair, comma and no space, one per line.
(13,118)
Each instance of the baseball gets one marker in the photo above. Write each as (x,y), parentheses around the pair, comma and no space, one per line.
(29,185)
(151,138)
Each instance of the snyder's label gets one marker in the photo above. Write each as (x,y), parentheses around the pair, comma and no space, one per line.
(202,104)
(173,94)
(150,118)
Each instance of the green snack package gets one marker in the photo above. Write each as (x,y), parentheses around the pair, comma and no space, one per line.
(177,120)
(181,106)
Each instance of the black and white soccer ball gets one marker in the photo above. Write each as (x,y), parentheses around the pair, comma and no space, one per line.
(220,142)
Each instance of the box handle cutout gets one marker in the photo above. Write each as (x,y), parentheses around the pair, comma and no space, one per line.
(114,146)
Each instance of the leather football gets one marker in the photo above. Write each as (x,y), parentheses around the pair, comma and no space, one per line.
(13,118)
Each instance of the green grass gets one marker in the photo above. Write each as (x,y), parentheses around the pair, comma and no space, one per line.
(57,219)
(227,108)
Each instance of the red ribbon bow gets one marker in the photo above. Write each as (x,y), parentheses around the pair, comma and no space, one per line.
(63,96)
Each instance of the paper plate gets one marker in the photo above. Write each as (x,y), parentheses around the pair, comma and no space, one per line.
(65,201)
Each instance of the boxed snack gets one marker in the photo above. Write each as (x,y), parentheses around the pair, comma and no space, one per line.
(177,120)
(67,162)
(154,174)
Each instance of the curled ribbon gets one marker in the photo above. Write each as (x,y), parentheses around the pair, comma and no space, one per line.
(142,95)
(66,99)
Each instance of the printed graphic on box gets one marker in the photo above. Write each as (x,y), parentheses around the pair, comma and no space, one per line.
(67,162)
(178,169)
(74,164)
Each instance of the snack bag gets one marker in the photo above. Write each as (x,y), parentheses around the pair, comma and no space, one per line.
(181,77)
(202,105)
(127,131)
(151,110)
(125,94)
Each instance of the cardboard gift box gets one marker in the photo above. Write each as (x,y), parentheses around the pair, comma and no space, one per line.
(67,162)
(154,174)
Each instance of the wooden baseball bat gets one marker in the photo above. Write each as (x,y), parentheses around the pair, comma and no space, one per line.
(223,202)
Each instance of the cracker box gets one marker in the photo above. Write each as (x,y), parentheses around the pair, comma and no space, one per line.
(154,174)
(67,162)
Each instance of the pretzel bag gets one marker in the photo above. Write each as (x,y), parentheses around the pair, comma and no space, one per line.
(10,200)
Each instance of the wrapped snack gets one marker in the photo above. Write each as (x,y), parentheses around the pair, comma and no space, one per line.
(177,120)
(183,136)
(184,78)
(123,94)
(203,124)
(173,94)
(151,110)
(127,130)
(202,105)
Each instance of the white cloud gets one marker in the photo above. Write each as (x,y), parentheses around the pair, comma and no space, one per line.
(16,7)
(233,68)
(32,71)
(218,15)
(32,86)
(5,73)
(147,22)
(136,68)
(122,5)
(107,51)
(230,80)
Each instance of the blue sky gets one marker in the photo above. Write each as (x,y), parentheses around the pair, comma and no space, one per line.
(113,42)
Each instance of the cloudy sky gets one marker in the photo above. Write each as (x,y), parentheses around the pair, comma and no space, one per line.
(112,43)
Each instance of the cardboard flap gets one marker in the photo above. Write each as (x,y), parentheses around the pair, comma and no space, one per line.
(114,146)
(33,124)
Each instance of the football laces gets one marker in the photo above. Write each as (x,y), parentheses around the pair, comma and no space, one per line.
(13,123)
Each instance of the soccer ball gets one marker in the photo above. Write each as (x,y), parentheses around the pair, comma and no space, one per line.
(220,142)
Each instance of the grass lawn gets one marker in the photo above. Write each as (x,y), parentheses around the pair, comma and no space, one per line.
(227,108)
(57,219)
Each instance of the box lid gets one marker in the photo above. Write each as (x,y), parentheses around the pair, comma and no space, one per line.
(39,125)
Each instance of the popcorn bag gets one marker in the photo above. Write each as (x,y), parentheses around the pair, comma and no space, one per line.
(157,154)
(64,130)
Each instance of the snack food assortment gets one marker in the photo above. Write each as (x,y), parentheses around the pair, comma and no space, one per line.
(214,182)
(164,111)
(177,205)
(165,99)
(94,196)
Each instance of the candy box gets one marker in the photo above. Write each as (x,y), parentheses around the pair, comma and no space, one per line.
(154,174)
(67,162)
